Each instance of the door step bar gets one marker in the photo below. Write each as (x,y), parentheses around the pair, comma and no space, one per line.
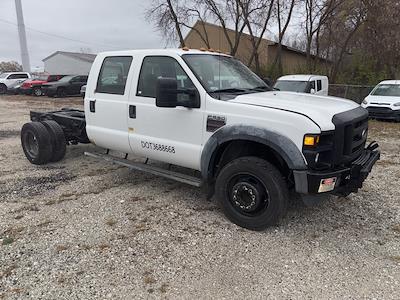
(191,180)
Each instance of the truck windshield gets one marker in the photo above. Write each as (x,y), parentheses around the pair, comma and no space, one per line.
(387,90)
(224,75)
(4,75)
(292,86)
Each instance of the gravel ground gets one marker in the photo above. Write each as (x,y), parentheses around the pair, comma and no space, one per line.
(83,229)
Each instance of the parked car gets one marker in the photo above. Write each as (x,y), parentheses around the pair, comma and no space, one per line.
(310,84)
(34,87)
(384,101)
(10,79)
(66,86)
(83,91)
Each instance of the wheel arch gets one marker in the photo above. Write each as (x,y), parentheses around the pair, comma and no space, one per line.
(279,145)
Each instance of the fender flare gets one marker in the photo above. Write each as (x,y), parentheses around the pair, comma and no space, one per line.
(279,143)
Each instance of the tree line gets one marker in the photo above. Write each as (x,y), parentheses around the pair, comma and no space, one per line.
(359,38)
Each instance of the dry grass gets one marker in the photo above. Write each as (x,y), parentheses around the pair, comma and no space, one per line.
(395,258)
(61,248)
(111,222)
(149,279)
(163,288)
(104,246)
(384,129)
(396,228)
(8,241)
(7,272)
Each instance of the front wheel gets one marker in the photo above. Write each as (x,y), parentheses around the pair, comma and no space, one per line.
(61,93)
(3,89)
(37,91)
(252,193)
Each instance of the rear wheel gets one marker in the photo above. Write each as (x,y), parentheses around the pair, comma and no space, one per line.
(36,143)
(57,138)
(252,192)
(37,91)
(3,89)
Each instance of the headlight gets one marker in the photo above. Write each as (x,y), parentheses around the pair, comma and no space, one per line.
(396,104)
(365,102)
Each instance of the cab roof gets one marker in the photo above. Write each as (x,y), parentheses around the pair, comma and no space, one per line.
(390,82)
(169,51)
(301,77)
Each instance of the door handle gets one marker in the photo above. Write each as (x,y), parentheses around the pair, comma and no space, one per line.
(92,106)
(132,111)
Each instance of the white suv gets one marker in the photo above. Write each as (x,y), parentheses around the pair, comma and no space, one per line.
(10,79)
(384,101)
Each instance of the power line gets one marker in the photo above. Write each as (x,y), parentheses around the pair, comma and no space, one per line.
(59,36)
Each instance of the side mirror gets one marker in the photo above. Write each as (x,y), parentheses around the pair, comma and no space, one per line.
(167,92)
(312,91)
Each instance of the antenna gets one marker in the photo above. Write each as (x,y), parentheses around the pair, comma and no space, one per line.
(26,65)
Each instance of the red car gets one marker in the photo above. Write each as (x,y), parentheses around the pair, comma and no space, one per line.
(34,87)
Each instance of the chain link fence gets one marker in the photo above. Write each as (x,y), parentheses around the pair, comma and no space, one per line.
(356,93)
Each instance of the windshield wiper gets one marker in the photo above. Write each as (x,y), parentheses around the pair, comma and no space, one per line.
(261,88)
(230,90)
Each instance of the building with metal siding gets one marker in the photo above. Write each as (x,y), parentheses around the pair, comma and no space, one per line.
(68,63)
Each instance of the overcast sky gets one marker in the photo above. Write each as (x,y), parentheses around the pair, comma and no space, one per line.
(99,24)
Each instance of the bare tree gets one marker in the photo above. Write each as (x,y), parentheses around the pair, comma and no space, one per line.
(337,33)
(10,66)
(284,12)
(165,15)
(256,15)
(317,13)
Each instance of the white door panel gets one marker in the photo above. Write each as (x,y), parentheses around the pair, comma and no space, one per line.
(172,135)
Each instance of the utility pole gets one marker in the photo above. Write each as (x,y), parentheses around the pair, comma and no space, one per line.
(26,65)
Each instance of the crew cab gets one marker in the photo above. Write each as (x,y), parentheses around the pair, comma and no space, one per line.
(384,101)
(34,86)
(247,144)
(11,79)
(67,86)
(311,84)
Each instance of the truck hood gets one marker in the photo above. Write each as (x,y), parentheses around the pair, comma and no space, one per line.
(320,109)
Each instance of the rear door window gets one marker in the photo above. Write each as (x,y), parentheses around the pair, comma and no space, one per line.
(18,76)
(319,85)
(113,75)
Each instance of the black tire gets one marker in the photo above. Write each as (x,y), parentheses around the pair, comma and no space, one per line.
(57,139)
(61,93)
(36,143)
(3,89)
(252,193)
(37,91)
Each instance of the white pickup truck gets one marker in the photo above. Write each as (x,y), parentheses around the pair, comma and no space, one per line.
(310,84)
(208,112)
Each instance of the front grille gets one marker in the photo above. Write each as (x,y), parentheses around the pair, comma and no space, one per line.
(351,131)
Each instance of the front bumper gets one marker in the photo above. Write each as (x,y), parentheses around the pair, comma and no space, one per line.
(49,91)
(383,113)
(26,91)
(347,180)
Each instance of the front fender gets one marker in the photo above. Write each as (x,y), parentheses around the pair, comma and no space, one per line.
(279,143)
